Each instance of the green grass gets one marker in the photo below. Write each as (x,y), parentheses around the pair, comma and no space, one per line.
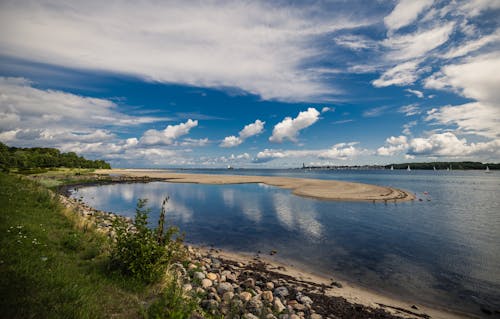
(49,268)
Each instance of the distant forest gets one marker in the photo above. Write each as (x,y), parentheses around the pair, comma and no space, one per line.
(445,165)
(42,157)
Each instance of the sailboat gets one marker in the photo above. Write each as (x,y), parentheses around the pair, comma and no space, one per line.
(408,168)
(487,170)
(434,168)
(392,168)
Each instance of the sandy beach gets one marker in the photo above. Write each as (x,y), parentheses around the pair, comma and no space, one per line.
(314,188)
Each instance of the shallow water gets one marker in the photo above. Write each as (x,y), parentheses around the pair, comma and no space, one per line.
(441,250)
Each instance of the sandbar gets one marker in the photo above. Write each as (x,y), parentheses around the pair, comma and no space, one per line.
(306,187)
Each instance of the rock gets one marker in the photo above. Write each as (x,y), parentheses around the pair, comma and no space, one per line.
(303,299)
(316,316)
(212,276)
(224,287)
(199,275)
(187,287)
(414,307)
(205,283)
(267,296)
(278,305)
(255,306)
(228,296)
(270,316)
(281,292)
(210,304)
(270,285)
(245,296)
(249,283)
(293,316)
(249,316)
(200,291)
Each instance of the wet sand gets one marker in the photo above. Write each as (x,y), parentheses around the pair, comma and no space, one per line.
(306,187)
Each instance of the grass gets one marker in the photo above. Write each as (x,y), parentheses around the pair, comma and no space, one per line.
(49,268)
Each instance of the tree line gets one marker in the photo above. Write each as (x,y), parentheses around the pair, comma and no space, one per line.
(43,157)
(445,165)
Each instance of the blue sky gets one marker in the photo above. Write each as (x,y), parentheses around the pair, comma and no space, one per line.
(252,84)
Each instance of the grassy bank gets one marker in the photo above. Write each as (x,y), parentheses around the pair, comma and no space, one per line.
(49,268)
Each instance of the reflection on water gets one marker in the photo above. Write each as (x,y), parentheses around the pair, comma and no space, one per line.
(443,249)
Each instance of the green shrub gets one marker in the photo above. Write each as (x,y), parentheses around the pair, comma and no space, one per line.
(142,252)
(172,303)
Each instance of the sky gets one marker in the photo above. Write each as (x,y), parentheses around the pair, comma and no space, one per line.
(252,84)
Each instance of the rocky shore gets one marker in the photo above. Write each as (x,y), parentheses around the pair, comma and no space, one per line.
(239,286)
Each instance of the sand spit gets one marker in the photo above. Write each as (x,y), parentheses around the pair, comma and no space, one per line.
(306,187)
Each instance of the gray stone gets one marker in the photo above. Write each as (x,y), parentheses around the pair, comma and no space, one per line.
(303,299)
(199,275)
(281,292)
(255,306)
(224,287)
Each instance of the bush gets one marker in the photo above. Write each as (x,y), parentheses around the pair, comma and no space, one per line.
(142,252)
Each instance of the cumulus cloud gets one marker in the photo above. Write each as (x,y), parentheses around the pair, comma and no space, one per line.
(405,12)
(449,145)
(169,135)
(440,145)
(259,47)
(395,144)
(231,141)
(340,151)
(249,130)
(289,128)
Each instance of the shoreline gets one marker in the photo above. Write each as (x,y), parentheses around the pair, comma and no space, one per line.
(352,293)
(305,187)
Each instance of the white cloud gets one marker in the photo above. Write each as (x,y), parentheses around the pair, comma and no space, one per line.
(476,78)
(340,151)
(376,111)
(289,128)
(440,145)
(401,74)
(407,127)
(470,118)
(395,144)
(409,110)
(252,129)
(169,134)
(418,93)
(449,145)
(355,42)
(326,109)
(231,141)
(194,142)
(471,46)
(405,12)
(416,45)
(474,7)
(249,130)
(258,47)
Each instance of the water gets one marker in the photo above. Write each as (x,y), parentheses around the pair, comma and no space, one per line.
(443,250)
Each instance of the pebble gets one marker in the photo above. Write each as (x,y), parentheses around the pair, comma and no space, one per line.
(245,296)
(278,305)
(249,316)
(228,296)
(316,316)
(255,306)
(267,296)
(281,292)
(249,283)
(205,283)
(224,287)
(212,276)
(270,285)
(199,275)
(187,287)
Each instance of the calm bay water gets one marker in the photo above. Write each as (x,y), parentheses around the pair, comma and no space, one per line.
(443,250)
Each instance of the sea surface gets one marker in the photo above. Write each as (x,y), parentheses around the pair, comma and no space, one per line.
(441,249)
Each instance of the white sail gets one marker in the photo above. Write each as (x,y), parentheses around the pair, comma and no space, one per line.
(408,169)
